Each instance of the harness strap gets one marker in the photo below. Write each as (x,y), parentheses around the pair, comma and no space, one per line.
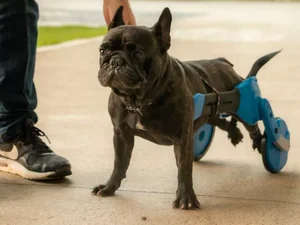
(217,93)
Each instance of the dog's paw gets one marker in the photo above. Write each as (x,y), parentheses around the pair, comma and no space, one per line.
(234,134)
(256,141)
(186,201)
(104,190)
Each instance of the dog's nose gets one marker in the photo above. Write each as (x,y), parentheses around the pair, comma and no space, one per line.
(116,61)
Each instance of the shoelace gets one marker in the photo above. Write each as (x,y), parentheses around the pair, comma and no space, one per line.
(33,137)
(40,133)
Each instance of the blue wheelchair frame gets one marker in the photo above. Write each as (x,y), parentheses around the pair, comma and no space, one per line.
(246,102)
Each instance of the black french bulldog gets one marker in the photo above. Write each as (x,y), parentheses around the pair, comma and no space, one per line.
(152,97)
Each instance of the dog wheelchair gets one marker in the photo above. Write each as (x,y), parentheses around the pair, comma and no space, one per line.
(246,102)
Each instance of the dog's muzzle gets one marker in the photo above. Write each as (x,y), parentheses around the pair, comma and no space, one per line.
(119,65)
(110,64)
(116,61)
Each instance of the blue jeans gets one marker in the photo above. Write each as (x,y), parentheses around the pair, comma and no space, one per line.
(18,39)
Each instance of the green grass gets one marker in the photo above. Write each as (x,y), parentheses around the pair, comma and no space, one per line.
(49,35)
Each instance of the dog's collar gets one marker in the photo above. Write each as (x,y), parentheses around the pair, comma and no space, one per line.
(136,109)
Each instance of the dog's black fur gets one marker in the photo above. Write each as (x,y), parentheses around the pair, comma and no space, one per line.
(152,97)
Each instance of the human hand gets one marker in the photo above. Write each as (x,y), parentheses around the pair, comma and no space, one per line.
(111,6)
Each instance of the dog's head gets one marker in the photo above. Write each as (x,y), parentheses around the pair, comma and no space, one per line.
(134,56)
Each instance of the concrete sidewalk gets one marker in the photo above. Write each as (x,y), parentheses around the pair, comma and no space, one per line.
(231,183)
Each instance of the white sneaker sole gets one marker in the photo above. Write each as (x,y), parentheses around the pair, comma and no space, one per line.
(12,166)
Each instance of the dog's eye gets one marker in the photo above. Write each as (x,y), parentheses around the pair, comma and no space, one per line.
(103,51)
(138,54)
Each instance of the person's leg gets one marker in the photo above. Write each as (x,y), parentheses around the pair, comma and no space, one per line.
(18,37)
(21,150)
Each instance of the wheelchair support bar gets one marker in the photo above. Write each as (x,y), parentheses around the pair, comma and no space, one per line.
(229,101)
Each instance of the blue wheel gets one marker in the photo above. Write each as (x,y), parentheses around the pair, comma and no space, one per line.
(274,159)
(202,140)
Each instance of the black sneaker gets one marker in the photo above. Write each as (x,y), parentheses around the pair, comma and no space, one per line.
(29,157)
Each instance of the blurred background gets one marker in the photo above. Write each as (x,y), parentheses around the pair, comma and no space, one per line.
(267,21)
(208,20)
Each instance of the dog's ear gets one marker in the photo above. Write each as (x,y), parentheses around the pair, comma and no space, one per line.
(118,19)
(162,29)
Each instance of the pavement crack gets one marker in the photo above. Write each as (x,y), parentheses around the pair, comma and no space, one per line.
(155,192)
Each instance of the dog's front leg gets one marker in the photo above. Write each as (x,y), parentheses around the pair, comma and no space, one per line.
(123,146)
(185,195)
